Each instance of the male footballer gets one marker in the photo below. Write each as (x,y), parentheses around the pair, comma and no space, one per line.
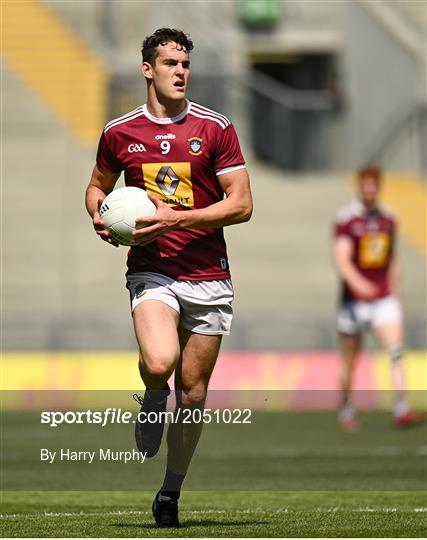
(367,264)
(188,159)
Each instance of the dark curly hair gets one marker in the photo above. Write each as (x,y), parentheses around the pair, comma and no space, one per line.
(162,36)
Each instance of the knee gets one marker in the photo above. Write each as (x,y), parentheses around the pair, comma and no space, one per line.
(156,365)
(194,396)
(395,354)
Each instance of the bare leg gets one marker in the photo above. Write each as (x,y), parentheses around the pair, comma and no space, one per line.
(156,331)
(192,374)
(390,338)
(159,350)
(199,354)
(350,345)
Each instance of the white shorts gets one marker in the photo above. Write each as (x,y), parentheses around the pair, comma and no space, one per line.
(204,306)
(357,316)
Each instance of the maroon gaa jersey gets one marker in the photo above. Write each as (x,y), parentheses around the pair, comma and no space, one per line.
(372,233)
(177,160)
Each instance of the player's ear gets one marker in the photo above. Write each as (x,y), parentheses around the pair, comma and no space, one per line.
(147,70)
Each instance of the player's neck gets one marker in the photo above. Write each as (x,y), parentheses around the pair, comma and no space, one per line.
(165,108)
(368,205)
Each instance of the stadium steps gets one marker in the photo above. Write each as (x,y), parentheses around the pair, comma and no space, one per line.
(58,280)
(64,73)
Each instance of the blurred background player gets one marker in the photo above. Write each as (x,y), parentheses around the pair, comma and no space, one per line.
(189,161)
(366,261)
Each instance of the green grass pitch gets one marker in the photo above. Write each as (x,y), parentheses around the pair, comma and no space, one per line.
(217,514)
(286,475)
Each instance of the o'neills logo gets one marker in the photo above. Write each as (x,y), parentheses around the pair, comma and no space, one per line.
(165,137)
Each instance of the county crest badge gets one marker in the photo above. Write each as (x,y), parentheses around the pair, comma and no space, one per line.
(195,146)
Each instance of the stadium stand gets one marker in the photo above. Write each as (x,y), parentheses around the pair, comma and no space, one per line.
(63,289)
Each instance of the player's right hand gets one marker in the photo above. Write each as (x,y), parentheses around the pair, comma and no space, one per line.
(364,289)
(101,231)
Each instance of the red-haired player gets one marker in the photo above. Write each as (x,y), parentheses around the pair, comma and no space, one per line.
(366,260)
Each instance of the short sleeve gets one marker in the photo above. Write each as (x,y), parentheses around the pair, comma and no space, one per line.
(342,224)
(228,153)
(105,158)
(341,229)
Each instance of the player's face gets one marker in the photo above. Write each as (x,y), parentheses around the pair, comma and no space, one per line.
(170,73)
(368,190)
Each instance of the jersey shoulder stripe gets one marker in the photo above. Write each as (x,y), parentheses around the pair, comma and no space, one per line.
(125,118)
(206,117)
(130,113)
(204,110)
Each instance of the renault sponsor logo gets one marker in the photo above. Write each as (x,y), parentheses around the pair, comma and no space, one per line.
(170,182)
(169,173)
(136,148)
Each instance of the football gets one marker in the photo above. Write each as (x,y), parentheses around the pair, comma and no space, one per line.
(120,209)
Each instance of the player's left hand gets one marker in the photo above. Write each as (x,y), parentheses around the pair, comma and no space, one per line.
(150,227)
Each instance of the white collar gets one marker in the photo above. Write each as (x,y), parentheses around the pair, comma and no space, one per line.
(166,120)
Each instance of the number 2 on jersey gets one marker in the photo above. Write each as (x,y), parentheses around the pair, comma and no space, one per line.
(374,249)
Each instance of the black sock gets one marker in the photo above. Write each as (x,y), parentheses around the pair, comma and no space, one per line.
(158,396)
(172,484)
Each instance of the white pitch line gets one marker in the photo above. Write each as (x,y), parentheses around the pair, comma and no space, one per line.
(94,514)
(326,510)
(295,453)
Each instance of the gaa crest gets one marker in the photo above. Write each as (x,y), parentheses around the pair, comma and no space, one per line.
(195,146)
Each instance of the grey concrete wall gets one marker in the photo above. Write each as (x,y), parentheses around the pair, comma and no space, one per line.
(382,79)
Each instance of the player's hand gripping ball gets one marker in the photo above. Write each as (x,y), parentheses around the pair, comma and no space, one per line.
(120,209)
